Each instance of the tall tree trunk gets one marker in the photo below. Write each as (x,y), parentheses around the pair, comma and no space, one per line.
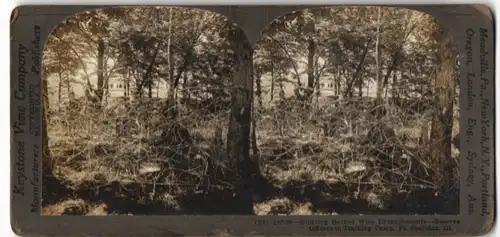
(238,136)
(170,56)
(311,47)
(380,87)
(171,87)
(442,120)
(47,161)
(100,70)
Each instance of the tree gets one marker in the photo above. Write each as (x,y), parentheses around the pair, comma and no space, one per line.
(83,35)
(238,136)
(377,59)
(172,87)
(59,59)
(47,161)
(100,70)
(444,96)
(270,60)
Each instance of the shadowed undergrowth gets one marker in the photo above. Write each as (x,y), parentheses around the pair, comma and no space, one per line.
(305,171)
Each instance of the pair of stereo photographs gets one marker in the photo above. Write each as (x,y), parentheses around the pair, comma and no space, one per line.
(252,120)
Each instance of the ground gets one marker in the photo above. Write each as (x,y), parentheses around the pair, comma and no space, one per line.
(304,170)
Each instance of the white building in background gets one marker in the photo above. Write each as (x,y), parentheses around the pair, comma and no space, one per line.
(117,85)
(78,82)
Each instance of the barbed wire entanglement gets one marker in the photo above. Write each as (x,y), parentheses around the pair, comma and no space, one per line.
(158,110)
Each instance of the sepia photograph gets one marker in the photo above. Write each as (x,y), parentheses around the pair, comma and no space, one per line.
(157,110)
